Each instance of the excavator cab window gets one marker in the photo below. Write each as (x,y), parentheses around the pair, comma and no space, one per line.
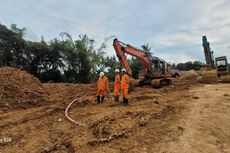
(159,65)
(155,66)
(222,64)
(162,67)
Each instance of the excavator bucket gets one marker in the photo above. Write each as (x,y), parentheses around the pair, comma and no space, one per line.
(209,76)
(158,83)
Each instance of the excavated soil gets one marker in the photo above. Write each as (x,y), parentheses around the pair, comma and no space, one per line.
(184,117)
(20,90)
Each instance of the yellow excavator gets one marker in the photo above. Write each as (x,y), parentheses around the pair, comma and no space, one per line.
(214,70)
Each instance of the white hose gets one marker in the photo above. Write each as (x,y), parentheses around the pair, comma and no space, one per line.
(67,108)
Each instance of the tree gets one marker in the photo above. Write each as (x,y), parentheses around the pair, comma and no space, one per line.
(53,63)
(196,65)
(146,48)
(136,64)
(136,67)
(173,65)
(62,58)
(110,65)
(37,55)
(83,59)
(12,46)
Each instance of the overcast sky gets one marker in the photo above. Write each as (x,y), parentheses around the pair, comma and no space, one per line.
(174,28)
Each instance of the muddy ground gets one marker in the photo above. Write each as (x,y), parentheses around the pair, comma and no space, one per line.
(182,118)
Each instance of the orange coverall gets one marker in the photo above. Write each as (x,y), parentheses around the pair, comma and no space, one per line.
(117,85)
(102,85)
(124,85)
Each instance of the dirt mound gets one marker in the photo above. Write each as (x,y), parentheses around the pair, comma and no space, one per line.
(64,93)
(190,75)
(19,89)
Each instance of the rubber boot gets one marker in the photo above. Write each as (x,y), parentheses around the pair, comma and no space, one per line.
(102,99)
(117,98)
(123,100)
(126,102)
(98,99)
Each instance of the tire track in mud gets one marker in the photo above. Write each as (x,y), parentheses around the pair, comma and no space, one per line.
(29,117)
(18,130)
(60,142)
(44,112)
(22,135)
(202,126)
(103,131)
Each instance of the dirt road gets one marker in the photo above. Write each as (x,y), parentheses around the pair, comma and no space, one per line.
(180,118)
(204,123)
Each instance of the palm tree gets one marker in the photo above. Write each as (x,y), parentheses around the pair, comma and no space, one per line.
(146,48)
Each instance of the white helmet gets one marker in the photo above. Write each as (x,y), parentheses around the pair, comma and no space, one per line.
(117,70)
(102,73)
(123,70)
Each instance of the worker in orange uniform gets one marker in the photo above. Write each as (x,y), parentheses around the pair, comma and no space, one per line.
(124,86)
(102,86)
(117,86)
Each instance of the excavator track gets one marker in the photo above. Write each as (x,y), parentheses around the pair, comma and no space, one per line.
(158,83)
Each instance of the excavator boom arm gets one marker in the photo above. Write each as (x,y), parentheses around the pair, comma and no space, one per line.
(121,56)
(208,53)
(122,49)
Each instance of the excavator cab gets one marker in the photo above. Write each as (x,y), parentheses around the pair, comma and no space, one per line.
(160,66)
(221,65)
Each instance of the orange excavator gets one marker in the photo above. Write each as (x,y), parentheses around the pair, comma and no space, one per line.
(155,70)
